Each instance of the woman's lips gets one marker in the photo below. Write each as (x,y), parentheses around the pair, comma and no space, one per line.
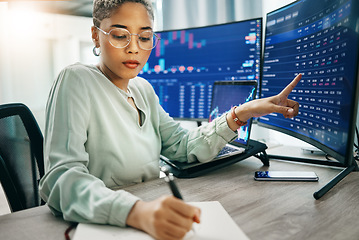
(131,64)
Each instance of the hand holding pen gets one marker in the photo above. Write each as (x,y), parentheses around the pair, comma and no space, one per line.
(164,218)
(175,191)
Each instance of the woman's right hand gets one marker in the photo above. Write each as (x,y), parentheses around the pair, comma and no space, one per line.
(279,103)
(164,218)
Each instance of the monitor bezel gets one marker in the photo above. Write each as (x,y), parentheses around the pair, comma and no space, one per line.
(348,158)
(200,120)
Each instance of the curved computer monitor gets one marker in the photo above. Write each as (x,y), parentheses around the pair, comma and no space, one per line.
(320,40)
(186,63)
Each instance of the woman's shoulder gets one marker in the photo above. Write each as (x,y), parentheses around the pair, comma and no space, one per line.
(79,68)
(76,76)
(142,84)
(140,81)
(78,73)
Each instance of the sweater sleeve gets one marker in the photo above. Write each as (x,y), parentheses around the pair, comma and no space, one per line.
(199,144)
(68,187)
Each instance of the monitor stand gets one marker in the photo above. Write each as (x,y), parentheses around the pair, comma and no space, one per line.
(333,182)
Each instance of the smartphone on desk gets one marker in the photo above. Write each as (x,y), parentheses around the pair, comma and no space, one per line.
(285,176)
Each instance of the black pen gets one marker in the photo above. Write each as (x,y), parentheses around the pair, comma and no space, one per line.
(169,178)
(174,189)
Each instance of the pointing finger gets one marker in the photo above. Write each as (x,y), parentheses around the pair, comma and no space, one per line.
(288,89)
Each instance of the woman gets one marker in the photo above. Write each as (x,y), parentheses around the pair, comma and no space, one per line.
(105,129)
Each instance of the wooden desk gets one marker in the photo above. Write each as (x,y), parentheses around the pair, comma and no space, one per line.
(263,210)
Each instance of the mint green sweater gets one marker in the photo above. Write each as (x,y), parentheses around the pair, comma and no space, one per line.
(94,144)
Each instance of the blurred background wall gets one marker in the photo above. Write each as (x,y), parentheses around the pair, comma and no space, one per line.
(35,45)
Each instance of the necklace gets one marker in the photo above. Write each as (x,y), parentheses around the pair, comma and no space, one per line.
(126,94)
(104,73)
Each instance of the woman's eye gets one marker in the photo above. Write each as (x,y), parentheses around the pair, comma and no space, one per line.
(145,39)
(119,37)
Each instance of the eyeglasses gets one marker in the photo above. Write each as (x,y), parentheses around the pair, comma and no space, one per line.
(121,38)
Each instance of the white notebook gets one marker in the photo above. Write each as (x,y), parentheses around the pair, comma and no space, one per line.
(216,224)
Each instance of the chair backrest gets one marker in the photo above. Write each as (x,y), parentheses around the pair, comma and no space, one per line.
(21,156)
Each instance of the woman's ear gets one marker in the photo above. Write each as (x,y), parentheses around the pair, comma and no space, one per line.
(95,37)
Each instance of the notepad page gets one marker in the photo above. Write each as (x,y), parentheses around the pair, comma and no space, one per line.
(216,224)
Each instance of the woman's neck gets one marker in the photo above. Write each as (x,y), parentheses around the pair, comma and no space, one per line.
(119,82)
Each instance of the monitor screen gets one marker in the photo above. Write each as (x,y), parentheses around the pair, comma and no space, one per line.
(320,40)
(185,64)
(227,94)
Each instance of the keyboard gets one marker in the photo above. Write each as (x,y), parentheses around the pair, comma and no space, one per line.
(229,150)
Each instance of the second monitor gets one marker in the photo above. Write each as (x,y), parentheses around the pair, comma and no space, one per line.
(186,63)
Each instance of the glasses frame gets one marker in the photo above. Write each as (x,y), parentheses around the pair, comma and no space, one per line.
(131,34)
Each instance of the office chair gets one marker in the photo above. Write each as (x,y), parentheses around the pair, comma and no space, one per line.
(21,156)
